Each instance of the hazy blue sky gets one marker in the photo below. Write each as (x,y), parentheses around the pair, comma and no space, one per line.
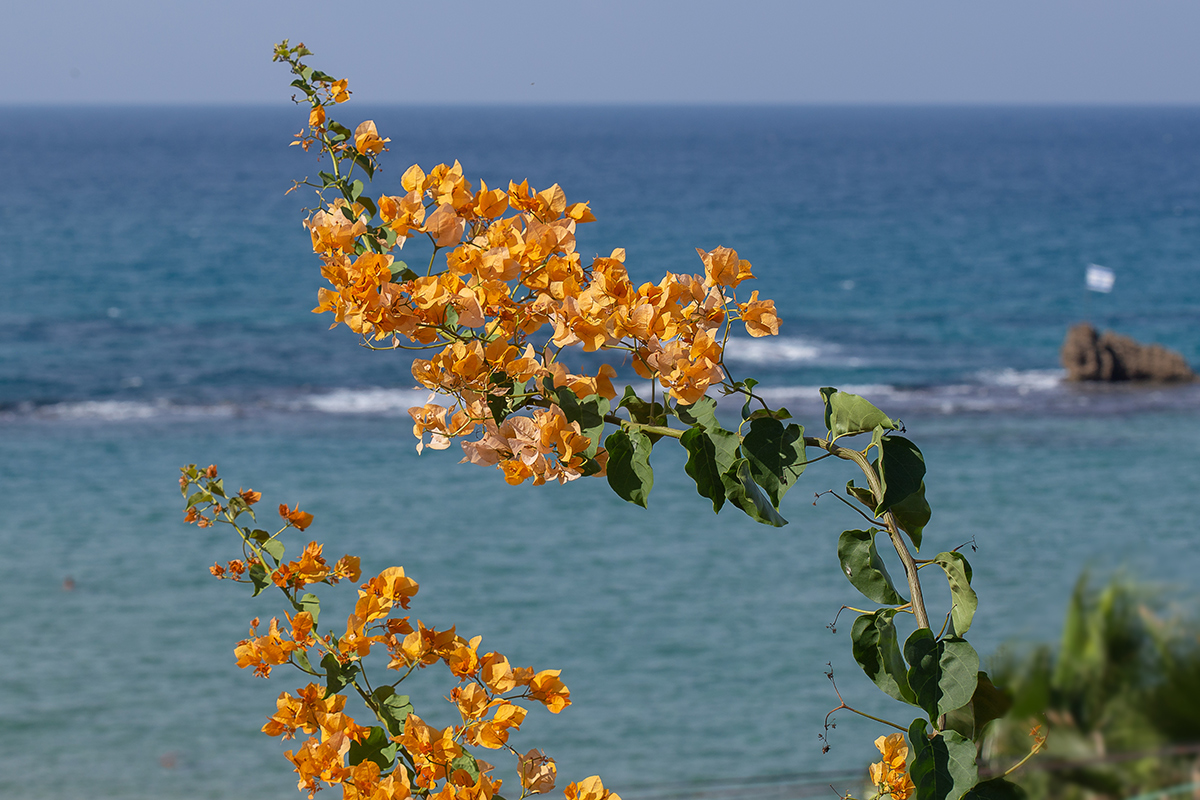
(533,51)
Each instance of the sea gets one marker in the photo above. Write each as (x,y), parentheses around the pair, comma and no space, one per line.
(155,312)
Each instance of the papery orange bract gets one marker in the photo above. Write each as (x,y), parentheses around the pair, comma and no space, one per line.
(320,760)
(589,789)
(538,772)
(493,733)
(338,91)
(366,138)
(463,659)
(759,316)
(890,775)
(347,567)
(300,519)
(722,267)
(431,749)
(548,689)
(497,673)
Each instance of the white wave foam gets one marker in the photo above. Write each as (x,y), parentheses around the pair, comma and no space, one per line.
(1023,380)
(365,401)
(121,410)
(775,350)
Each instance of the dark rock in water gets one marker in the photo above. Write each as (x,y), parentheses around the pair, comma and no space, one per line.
(1109,356)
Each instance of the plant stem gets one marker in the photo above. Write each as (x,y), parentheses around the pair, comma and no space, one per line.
(889,521)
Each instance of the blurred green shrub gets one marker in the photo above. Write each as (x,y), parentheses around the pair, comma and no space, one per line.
(1120,698)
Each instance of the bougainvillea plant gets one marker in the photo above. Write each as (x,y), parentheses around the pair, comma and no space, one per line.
(497,318)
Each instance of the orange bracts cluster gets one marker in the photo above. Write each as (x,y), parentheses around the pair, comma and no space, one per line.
(544,446)
(890,775)
(273,649)
(505,292)
(490,695)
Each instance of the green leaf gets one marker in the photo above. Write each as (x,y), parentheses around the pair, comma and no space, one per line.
(862,494)
(368,204)
(376,747)
(354,190)
(465,762)
(865,569)
(312,604)
(958,574)
(996,789)
(943,768)
(641,411)
(327,179)
(703,413)
(198,497)
(742,491)
(394,708)
(301,659)
(987,704)
(337,674)
(259,535)
(629,472)
(217,487)
(258,577)
(749,385)
(450,316)
(767,413)
(710,455)
(587,411)
(274,548)
(401,273)
(901,470)
(365,163)
(848,414)
(877,651)
(776,455)
(943,674)
(912,515)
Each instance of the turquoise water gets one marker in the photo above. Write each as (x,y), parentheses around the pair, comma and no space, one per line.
(155,314)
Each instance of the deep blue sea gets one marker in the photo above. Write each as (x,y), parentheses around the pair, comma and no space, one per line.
(155,312)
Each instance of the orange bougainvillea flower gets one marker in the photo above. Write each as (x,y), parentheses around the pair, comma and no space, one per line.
(890,775)
(589,789)
(272,649)
(547,689)
(338,91)
(299,519)
(538,772)
(497,673)
(366,138)
(310,568)
(722,267)
(759,316)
